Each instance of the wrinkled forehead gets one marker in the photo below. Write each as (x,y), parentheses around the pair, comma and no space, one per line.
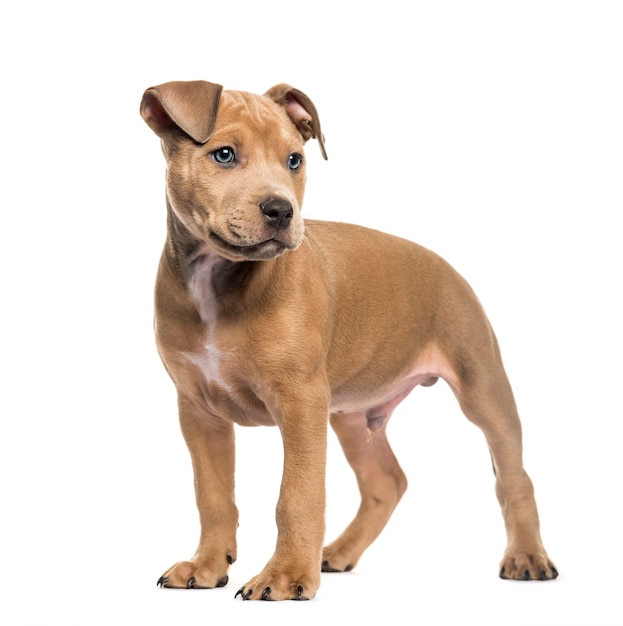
(257,113)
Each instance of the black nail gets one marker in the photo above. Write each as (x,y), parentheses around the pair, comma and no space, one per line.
(162,581)
(526,575)
(348,568)
(554,572)
(503,573)
(230,559)
(191,583)
(247,594)
(266,593)
(222,581)
(543,575)
(239,592)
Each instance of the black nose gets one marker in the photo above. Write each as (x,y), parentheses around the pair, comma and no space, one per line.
(278,212)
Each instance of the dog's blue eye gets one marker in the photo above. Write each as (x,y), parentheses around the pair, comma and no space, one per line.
(224,155)
(294,161)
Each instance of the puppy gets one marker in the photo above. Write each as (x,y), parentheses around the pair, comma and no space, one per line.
(262,318)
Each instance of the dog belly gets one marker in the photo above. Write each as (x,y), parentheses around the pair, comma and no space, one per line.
(378,404)
(381,402)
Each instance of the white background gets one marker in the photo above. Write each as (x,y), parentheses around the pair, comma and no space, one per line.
(491,132)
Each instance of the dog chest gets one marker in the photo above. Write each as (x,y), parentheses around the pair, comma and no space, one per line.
(209,362)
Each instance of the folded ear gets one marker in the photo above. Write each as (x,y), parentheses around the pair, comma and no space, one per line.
(190,106)
(300,110)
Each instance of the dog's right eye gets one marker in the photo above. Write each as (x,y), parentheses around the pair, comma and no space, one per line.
(224,155)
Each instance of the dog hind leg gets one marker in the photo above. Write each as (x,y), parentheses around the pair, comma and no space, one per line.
(381,484)
(486,398)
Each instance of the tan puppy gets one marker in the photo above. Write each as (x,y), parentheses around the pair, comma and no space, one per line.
(264,319)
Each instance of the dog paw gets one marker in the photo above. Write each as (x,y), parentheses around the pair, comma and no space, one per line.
(279,586)
(527,567)
(336,559)
(328,566)
(194,575)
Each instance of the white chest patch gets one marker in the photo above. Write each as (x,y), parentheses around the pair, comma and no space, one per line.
(209,360)
(201,289)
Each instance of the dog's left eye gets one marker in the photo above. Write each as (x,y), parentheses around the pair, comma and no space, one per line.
(295,161)
(224,155)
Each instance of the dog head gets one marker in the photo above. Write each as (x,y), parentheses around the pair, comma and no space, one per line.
(235,163)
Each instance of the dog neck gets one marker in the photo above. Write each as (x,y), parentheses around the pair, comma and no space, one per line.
(218,285)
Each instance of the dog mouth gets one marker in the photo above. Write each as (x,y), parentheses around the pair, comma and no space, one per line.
(260,251)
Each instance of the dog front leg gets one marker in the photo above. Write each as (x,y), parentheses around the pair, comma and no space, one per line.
(210,442)
(293,572)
